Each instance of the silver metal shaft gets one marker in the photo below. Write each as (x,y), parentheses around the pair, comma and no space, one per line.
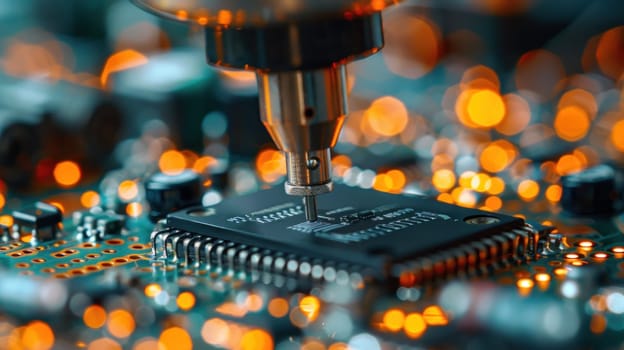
(304,110)
(309,204)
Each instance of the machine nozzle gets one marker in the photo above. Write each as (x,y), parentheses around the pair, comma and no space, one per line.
(304,112)
(299,53)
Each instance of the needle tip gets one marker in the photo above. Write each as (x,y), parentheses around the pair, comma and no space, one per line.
(309,203)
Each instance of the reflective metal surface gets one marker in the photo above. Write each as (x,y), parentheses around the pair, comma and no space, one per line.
(258,12)
(304,111)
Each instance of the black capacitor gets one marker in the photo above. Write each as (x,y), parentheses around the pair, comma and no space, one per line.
(591,191)
(168,193)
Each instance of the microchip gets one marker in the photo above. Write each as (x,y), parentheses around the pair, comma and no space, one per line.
(377,234)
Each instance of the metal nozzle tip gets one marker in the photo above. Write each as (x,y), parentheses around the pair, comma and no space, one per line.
(309,203)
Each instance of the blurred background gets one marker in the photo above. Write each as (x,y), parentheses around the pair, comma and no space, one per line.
(482,103)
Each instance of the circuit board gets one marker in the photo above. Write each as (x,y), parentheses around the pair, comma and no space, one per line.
(478,175)
(105,280)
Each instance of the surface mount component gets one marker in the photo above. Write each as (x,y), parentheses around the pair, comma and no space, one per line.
(96,224)
(591,191)
(376,234)
(41,220)
(167,193)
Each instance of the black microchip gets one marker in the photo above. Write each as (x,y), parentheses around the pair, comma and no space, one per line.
(365,229)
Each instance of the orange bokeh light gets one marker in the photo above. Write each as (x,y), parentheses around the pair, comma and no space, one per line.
(128,190)
(175,338)
(497,156)
(254,302)
(152,290)
(186,301)
(341,164)
(172,162)
(104,344)
(394,319)
(610,52)
(271,165)
(37,335)
(202,164)
(6,220)
(443,180)
(387,116)
(485,108)
(435,316)
(146,344)
(90,199)
(617,135)
(480,182)
(278,307)
(415,325)
(405,56)
(445,198)
(553,193)
(215,331)
(94,316)
(568,164)
(67,173)
(572,123)
(224,17)
(310,306)
(493,203)
(391,181)
(120,61)
(579,98)
(528,190)
(497,185)
(182,15)
(256,339)
(134,209)
(120,323)
(525,283)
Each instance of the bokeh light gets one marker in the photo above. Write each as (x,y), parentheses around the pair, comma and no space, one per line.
(271,165)
(120,323)
(405,56)
(394,320)
(572,123)
(485,108)
(67,173)
(89,199)
(94,316)
(387,116)
(415,325)
(175,338)
(610,52)
(256,339)
(37,335)
(172,162)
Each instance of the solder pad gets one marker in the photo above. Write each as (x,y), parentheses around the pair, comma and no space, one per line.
(368,230)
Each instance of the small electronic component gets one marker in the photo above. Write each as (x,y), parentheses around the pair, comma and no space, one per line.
(96,224)
(591,191)
(40,220)
(168,193)
(384,236)
(5,233)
